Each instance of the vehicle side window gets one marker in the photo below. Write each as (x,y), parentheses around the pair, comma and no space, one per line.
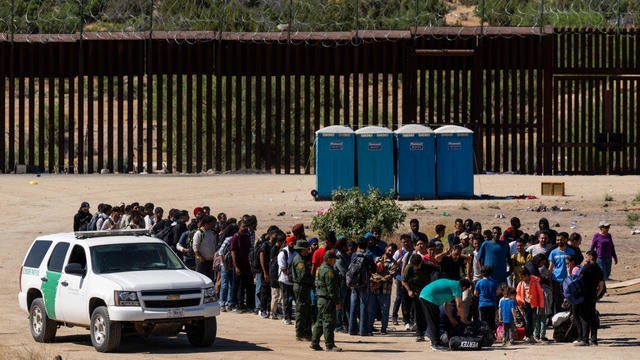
(37,253)
(79,256)
(57,257)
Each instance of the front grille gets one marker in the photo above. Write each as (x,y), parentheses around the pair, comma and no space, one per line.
(176,298)
(159,304)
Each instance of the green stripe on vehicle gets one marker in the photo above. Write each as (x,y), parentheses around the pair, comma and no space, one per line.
(49,289)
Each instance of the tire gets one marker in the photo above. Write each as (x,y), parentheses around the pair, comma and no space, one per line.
(202,333)
(105,334)
(43,329)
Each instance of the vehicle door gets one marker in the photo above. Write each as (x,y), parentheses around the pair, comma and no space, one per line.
(72,291)
(51,278)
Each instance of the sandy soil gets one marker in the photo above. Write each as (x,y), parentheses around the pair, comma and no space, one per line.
(39,205)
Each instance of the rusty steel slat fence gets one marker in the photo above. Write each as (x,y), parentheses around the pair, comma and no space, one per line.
(556,101)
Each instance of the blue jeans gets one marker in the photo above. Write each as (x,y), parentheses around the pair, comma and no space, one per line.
(379,303)
(226,278)
(605,266)
(259,280)
(359,301)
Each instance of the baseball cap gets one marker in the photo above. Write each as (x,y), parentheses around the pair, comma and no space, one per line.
(85,205)
(603,223)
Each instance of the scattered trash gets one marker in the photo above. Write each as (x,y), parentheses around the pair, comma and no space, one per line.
(33,182)
(635,232)
(500,216)
(282,213)
(445,213)
(556,225)
(573,225)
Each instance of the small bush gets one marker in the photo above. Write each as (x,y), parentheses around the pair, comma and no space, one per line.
(636,199)
(632,218)
(354,213)
(494,206)
(608,197)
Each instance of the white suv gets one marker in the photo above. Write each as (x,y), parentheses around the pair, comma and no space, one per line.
(114,283)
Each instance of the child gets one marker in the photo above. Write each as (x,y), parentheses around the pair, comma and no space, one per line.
(530,300)
(507,315)
(486,290)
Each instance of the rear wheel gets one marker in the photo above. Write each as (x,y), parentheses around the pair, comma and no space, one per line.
(43,329)
(105,334)
(202,333)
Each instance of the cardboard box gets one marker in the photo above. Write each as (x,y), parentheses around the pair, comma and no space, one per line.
(552,189)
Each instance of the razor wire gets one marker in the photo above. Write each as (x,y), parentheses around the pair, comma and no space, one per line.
(294,18)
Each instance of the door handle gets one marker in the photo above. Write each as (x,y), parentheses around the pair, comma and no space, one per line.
(64,283)
(44,279)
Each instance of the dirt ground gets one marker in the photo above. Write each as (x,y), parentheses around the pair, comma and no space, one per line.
(32,206)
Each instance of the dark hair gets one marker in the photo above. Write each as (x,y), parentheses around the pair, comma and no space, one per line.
(573,258)
(464,283)
(208,219)
(487,233)
(575,237)
(414,221)
(440,228)
(515,220)
(538,258)
(251,220)
(592,253)
(272,229)
(524,272)
(564,234)
(330,237)
(149,206)
(362,243)
(376,229)
(415,259)
(486,271)
(405,237)
(158,210)
(394,246)
(230,230)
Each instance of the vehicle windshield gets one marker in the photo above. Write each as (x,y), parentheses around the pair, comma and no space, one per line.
(133,257)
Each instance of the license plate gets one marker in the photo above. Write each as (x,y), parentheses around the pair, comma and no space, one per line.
(176,313)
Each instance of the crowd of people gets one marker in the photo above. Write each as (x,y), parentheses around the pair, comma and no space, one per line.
(344,285)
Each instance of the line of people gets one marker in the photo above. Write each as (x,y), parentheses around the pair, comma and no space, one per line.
(345,285)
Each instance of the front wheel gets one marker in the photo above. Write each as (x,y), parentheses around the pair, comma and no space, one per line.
(105,334)
(202,333)
(43,329)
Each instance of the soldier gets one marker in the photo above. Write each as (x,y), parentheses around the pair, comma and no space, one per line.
(302,285)
(327,288)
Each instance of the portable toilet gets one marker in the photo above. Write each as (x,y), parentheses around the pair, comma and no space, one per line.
(415,162)
(374,159)
(335,160)
(454,161)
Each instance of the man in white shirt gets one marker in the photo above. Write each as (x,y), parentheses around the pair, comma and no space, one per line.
(285,258)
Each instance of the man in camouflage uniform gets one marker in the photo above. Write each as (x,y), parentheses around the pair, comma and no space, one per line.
(327,288)
(302,285)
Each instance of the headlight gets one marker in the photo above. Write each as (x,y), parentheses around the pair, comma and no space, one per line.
(209,295)
(126,298)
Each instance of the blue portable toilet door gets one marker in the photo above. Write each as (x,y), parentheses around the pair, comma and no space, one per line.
(454,161)
(335,160)
(374,158)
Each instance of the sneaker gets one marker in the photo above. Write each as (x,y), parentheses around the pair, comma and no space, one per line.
(544,338)
(395,322)
(419,338)
(383,332)
(407,326)
(223,308)
(334,348)
(315,347)
(593,343)
(263,314)
(579,343)
(414,327)
(438,348)
(287,322)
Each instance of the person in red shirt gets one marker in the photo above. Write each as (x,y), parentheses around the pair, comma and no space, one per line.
(318,255)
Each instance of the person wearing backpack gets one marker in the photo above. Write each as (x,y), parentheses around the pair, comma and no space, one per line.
(593,284)
(303,282)
(285,259)
(204,246)
(227,295)
(277,241)
(358,273)
(82,218)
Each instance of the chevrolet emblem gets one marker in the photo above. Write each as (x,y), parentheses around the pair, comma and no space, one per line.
(173,297)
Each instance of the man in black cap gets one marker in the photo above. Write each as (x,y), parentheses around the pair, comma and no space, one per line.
(82,218)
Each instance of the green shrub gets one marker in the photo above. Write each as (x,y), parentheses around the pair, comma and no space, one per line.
(608,197)
(353,213)
(632,218)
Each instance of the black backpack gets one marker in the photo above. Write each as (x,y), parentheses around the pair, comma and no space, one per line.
(357,274)
(254,258)
(274,270)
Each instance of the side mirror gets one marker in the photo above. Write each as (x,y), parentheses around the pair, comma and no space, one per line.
(75,269)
